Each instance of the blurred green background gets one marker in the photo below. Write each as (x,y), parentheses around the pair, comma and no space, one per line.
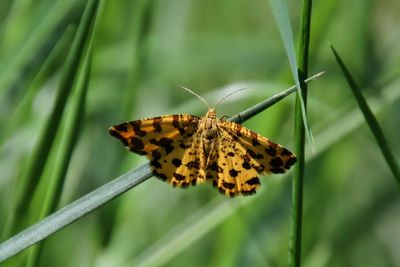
(142,51)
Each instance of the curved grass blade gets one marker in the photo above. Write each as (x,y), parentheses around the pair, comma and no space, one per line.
(281,15)
(37,161)
(370,119)
(254,110)
(88,203)
(64,153)
(73,211)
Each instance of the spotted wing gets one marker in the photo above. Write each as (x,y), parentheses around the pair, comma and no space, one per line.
(271,157)
(230,169)
(240,156)
(169,144)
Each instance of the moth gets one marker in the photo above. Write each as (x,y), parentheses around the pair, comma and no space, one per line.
(185,150)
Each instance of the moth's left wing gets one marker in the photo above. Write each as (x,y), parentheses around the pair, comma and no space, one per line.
(168,142)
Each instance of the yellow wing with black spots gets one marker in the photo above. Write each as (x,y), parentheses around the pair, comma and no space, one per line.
(167,141)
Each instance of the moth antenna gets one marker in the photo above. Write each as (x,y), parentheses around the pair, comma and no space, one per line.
(199,97)
(228,95)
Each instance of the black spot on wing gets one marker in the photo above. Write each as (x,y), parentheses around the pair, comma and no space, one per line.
(157,124)
(160,175)
(156,154)
(248,192)
(184,185)
(123,127)
(290,162)
(136,125)
(182,131)
(285,152)
(156,164)
(183,146)
(253,181)
(214,167)
(246,165)
(254,140)
(179,177)
(270,151)
(254,154)
(117,135)
(233,173)
(136,145)
(175,121)
(277,170)
(193,164)
(276,162)
(228,185)
(176,162)
(164,143)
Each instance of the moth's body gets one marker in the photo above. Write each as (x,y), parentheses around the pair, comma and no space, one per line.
(207,133)
(188,150)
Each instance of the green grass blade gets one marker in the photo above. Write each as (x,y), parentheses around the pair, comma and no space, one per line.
(370,119)
(37,161)
(73,211)
(254,110)
(64,154)
(299,140)
(281,14)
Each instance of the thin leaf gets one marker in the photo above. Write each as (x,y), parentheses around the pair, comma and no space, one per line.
(299,140)
(73,211)
(370,119)
(64,154)
(254,110)
(37,161)
(280,10)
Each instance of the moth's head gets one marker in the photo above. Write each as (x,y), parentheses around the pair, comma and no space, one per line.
(211,114)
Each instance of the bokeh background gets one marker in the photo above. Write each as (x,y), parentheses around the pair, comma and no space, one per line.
(142,51)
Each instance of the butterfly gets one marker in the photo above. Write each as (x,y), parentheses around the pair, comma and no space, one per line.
(185,150)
